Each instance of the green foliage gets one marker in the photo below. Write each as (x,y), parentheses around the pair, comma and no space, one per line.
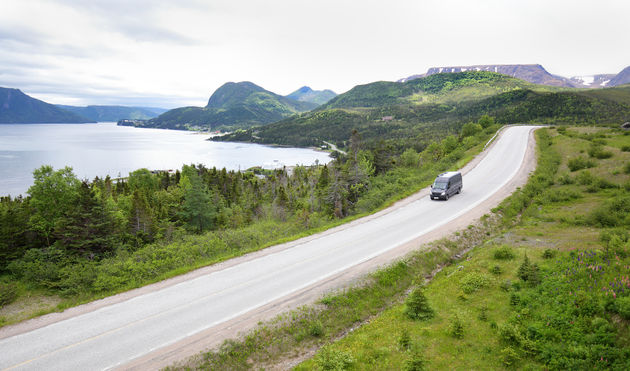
(503,253)
(456,327)
(528,272)
(8,293)
(473,281)
(417,306)
(509,357)
(622,306)
(496,270)
(415,362)
(579,163)
(486,121)
(549,254)
(470,129)
(404,340)
(334,360)
(598,151)
(626,168)
(613,213)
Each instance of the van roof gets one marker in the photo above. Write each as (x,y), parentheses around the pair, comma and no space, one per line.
(448,174)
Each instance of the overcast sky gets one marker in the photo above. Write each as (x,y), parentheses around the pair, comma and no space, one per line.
(176,53)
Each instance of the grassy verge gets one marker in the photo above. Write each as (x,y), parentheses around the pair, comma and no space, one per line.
(549,292)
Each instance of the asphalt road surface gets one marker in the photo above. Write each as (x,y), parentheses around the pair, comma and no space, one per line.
(114,335)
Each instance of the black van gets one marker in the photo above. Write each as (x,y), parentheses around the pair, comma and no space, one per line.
(446,185)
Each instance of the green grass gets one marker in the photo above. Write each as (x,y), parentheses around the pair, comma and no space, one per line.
(500,320)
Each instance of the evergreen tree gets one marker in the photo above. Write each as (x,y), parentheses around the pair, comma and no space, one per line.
(198,209)
(87,228)
(417,306)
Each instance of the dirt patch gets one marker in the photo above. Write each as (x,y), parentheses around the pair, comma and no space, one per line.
(28,306)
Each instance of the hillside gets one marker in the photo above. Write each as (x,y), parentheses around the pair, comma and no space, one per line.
(536,74)
(114,113)
(233,105)
(403,113)
(306,94)
(19,108)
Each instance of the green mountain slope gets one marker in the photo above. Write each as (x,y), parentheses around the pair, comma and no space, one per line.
(306,94)
(233,105)
(114,113)
(19,108)
(438,105)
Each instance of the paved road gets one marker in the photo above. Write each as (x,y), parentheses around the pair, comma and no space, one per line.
(116,334)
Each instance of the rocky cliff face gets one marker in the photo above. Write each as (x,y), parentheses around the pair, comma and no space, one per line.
(621,78)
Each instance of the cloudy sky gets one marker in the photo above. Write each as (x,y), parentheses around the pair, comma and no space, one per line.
(176,53)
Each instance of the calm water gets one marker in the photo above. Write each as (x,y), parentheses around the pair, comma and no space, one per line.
(106,149)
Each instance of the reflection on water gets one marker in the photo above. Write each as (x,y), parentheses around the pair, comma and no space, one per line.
(106,149)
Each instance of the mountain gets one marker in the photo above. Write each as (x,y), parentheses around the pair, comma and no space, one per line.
(19,108)
(306,94)
(405,114)
(621,78)
(536,74)
(233,105)
(114,113)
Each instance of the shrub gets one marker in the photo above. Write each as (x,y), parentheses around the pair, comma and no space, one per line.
(8,293)
(331,359)
(625,148)
(483,314)
(598,151)
(509,357)
(528,272)
(548,254)
(456,328)
(613,213)
(565,179)
(503,253)
(626,168)
(473,281)
(404,340)
(561,195)
(585,178)
(579,163)
(622,305)
(316,329)
(496,270)
(515,299)
(417,306)
(415,363)
(506,285)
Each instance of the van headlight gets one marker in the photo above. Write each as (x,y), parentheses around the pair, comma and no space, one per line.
(443,193)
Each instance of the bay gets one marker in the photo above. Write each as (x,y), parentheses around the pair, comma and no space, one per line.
(107,149)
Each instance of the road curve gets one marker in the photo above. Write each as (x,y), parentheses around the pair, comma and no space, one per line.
(114,335)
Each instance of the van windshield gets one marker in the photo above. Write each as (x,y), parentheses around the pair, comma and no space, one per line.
(439,184)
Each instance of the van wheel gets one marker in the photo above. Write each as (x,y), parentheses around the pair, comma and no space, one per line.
(446,197)
(459,190)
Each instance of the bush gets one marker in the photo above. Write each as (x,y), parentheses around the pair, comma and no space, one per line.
(625,148)
(415,363)
(316,329)
(473,281)
(528,272)
(417,306)
(456,328)
(548,254)
(496,270)
(579,163)
(404,341)
(613,213)
(626,168)
(331,359)
(598,151)
(509,357)
(8,293)
(622,305)
(503,253)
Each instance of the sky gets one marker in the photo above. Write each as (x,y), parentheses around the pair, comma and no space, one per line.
(168,54)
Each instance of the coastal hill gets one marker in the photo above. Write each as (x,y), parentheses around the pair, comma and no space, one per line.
(404,114)
(114,113)
(537,74)
(19,108)
(306,94)
(233,105)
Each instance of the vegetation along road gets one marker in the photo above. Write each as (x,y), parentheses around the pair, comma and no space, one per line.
(115,335)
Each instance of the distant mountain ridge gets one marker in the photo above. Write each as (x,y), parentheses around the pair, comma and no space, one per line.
(19,108)
(306,94)
(536,74)
(114,113)
(233,105)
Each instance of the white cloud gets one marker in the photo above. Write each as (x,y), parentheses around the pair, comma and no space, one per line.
(176,53)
